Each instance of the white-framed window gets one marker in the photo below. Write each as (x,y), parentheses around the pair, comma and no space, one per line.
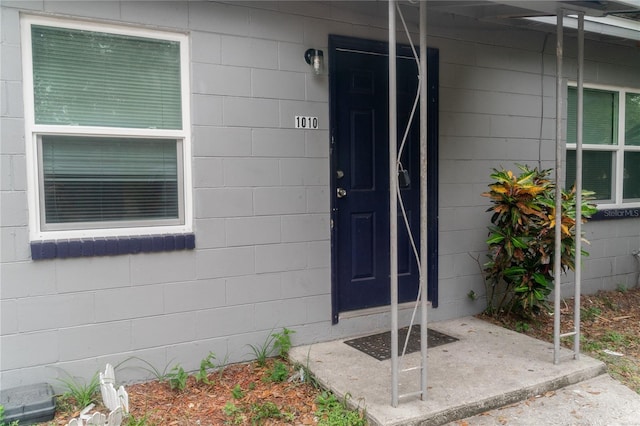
(107,129)
(611,144)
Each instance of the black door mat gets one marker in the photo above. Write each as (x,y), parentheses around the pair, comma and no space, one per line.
(379,345)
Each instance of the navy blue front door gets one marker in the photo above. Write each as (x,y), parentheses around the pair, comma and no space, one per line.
(360,175)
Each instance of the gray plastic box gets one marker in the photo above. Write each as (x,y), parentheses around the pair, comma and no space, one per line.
(28,404)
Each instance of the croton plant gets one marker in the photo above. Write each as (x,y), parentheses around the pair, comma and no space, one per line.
(519,272)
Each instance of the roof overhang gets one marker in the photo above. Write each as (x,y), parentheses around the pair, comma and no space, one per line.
(619,19)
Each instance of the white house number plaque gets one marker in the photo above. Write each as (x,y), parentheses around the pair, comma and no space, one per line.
(302,122)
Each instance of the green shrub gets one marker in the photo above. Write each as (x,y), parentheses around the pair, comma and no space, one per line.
(519,273)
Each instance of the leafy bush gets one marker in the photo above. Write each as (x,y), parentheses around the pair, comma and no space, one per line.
(519,273)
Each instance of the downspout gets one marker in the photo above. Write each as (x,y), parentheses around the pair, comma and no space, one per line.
(393,202)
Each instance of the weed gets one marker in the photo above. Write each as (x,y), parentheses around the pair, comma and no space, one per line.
(266,410)
(590,313)
(161,376)
(613,337)
(279,372)
(282,342)
(252,386)
(133,421)
(205,365)
(472,295)
(589,345)
(263,351)
(236,392)
(610,304)
(621,288)
(332,412)
(522,327)
(82,392)
(177,378)
(234,413)
(2,422)
(220,366)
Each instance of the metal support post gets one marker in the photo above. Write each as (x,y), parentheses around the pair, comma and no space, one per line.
(393,202)
(423,197)
(558,213)
(579,135)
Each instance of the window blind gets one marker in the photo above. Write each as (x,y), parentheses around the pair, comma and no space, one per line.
(87,78)
(632,120)
(92,179)
(597,172)
(600,117)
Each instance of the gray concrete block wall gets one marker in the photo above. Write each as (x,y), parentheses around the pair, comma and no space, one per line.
(261,189)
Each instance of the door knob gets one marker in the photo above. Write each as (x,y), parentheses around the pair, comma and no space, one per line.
(341,192)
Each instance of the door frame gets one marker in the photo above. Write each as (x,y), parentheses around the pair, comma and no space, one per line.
(380,47)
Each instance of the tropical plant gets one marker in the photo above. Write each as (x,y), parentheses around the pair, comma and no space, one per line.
(519,273)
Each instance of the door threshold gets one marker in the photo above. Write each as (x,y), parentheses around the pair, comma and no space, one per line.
(376,310)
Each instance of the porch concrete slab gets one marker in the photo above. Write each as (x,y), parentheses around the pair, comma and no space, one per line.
(488,367)
(601,401)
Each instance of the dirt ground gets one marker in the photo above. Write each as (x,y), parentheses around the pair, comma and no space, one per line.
(245,394)
(610,329)
(239,394)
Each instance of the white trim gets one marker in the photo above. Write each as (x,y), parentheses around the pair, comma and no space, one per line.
(617,149)
(32,130)
(608,26)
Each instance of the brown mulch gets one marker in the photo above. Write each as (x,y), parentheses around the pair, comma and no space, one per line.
(610,318)
(604,316)
(203,404)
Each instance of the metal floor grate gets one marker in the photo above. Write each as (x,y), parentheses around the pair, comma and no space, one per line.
(379,345)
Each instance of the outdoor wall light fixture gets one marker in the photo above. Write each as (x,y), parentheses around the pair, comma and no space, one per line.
(315,58)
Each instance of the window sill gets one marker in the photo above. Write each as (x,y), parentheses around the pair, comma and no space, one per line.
(91,247)
(624,213)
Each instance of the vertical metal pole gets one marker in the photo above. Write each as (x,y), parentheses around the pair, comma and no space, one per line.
(393,202)
(558,213)
(579,135)
(423,197)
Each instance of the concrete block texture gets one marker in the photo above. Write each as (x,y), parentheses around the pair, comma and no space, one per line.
(193,295)
(12,134)
(261,197)
(249,52)
(55,311)
(211,141)
(212,79)
(13,208)
(206,47)
(251,172)
(281,257)
(277,143)
(244,231)
(176,328)
(279,200)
